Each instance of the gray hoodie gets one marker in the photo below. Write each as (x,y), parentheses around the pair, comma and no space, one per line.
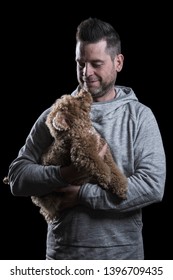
(99,228)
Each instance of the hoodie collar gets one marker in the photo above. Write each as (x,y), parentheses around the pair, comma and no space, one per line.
(124,95)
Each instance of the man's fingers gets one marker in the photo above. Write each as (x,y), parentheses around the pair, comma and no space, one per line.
(103,151)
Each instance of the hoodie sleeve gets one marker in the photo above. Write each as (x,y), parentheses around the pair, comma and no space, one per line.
(146,174)
(26,175)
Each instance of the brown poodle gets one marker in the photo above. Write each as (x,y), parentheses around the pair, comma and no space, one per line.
(77,142)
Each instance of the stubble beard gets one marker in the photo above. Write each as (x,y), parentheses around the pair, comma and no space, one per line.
(99,91)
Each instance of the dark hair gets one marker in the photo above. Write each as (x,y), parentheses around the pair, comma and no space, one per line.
(93,30)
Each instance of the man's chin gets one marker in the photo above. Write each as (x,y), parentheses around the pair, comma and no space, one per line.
(92,89)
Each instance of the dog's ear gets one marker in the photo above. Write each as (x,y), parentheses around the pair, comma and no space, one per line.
(64,123)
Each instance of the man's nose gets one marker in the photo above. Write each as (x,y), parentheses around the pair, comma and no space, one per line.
(87,70)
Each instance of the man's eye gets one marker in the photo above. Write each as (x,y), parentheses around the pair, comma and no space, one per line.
(97,65)
(81,65)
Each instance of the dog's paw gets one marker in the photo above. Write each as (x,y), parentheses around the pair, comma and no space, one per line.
(119,190)
(104,181)
(121,193)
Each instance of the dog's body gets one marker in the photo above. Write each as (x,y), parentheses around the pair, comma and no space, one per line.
(76,142)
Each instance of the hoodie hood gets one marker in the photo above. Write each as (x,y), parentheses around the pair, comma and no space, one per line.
(101,109)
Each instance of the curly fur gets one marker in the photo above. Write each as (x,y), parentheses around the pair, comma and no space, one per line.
(77,142)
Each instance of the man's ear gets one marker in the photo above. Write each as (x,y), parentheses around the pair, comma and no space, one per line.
(118,62)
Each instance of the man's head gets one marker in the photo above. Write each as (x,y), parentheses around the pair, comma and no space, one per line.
(98,57)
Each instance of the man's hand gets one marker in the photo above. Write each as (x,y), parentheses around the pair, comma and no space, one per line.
(103,151)
(69,198)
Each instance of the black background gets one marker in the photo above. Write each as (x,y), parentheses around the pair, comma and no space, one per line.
(38,65)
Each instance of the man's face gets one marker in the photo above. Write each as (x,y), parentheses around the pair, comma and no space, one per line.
(96,72)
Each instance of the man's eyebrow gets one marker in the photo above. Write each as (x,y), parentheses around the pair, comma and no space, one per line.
(91,61)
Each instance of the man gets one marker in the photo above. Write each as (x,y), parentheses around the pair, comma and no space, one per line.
(91,224)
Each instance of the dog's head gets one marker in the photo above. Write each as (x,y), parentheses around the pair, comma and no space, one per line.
(68,111)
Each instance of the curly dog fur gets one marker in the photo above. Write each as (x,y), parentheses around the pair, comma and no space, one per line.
(77,142)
